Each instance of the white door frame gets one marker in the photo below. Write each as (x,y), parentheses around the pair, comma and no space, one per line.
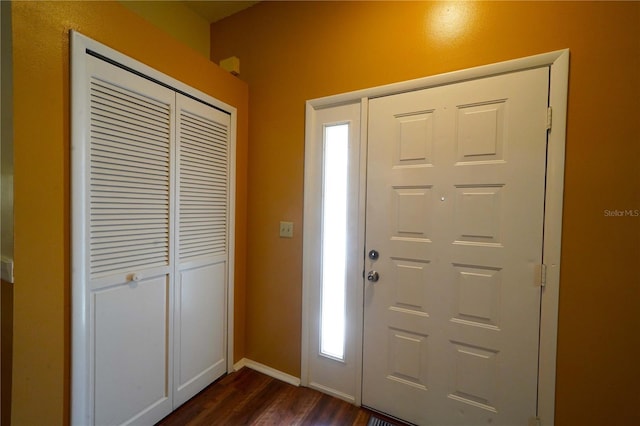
(558,61)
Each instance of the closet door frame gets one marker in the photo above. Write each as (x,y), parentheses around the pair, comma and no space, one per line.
(80,364)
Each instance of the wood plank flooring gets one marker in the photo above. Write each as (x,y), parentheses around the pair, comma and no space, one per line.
(248,397)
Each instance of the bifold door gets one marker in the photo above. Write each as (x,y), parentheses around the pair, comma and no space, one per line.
(130,214)
(202,250)
(151,209)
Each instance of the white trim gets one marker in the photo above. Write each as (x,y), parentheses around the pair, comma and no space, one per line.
(558,61)
(311,214)
(559,83)
(334,393)
(80,397)
(239,365)
(535,61)
(362,209)
(231,239)
(271,372)
(80,353)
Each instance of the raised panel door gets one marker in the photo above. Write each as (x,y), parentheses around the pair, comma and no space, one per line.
(455,203)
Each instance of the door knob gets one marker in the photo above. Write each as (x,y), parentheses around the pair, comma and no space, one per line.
(374,255)
(373,276)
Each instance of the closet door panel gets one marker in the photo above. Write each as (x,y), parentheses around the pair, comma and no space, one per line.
(129,240)
(203,171)
(131,331)
(129,172)
(202,310)
(202,240)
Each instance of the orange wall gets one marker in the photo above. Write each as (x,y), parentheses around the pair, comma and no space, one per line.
(41,368)
(294,51)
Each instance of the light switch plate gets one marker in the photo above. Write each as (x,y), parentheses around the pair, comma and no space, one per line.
(286,229)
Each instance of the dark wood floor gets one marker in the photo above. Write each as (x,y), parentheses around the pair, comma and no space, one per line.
(248,397)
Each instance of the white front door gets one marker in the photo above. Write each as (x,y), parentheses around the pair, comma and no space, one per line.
(455,209)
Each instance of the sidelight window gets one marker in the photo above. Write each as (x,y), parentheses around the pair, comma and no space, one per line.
(334,239)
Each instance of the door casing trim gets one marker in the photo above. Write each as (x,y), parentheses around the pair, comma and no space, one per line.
(558,62)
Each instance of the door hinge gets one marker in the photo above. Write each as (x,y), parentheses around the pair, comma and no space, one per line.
(549,117)
(541,278)
(534,421)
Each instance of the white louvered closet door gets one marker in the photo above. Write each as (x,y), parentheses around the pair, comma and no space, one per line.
(129,239)
(152,227)
(201,266)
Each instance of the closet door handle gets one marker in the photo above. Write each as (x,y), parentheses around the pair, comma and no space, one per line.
(135,277)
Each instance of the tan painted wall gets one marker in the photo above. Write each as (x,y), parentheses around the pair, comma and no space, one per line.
(41,367)
(294,51)
(177,19)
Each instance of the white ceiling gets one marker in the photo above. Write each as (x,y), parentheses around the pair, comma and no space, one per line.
(214,10)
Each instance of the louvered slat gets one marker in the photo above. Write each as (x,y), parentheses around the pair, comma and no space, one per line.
(203,184)
(130,145)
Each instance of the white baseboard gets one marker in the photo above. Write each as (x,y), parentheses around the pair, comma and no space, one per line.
(335,393)
(239,365)
(272,372)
